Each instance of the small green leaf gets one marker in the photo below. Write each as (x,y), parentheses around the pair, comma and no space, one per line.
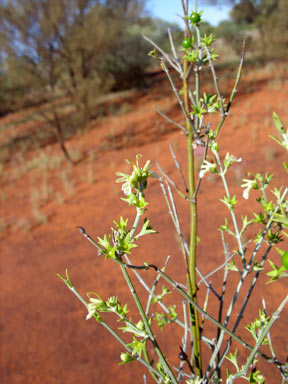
(278,123)
(233,359)
(157,298)
(276,272)
(232,266)
(283,219)
(146,229)
(137,346)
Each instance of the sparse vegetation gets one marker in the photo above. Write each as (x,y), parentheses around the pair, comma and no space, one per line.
(42,198)
(249,257)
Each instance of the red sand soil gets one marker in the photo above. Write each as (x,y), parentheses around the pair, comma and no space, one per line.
(44,335)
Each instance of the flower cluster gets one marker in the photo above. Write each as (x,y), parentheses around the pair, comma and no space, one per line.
(248,185)
(207,167)
(137,180)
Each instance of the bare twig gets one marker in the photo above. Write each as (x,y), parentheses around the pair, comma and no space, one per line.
(165,55)
(216,83)
(172,121)
(151,294)
(170,181)
(219,268)
(178,168)
(259,342)
(234,90)
(188,118)
(173,213)
(240,283)
(184,342)
(174,52)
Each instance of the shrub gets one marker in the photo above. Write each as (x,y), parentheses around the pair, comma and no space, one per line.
(246,263)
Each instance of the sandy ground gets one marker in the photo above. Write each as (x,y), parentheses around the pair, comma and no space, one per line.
(44,335)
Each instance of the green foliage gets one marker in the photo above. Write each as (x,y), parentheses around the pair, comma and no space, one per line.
(270,222)
(257,327)
(163,319)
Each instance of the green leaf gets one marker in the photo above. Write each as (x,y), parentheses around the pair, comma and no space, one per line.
(137,346)
(233,359)
(146,229)
(278,123)
(207,40)
(256,377)
(122,225)
(225,227)
(276,272)
(125,244)
(283,219)
(229,202)
(136,201)
(138,330)
(256,267)
(157,298)
(166,318)
(232,266)
(259,218)
(280,251)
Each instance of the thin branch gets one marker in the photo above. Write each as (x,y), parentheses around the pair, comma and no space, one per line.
(174,52)
(205,305)
(186,197)
(259,342)
(151,293)
(184,342)
(147,325)
(188,118)
(178,168)
(234,90)
(240,283)
(167,57)
(177,287)
(220,267)
(163,306)
(172,121)
(221,304)
(176,222)
(216,83)
(199,179)
(105,325)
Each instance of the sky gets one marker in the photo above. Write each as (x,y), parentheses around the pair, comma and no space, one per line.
(168,10)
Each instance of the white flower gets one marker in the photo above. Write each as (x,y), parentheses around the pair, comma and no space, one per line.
(92,307)
(207,167)
(232,159)
(127,188)
(248,185)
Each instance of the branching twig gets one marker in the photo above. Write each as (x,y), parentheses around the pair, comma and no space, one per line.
(171,61)
(259,342)
(234,90)
(170,181)
(179,168)
(188,118)
(216,83)
(172,122)
(175,53)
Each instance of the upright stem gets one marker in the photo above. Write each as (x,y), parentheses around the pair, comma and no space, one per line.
(191,276)
(152,338)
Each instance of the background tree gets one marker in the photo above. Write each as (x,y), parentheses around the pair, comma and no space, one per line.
(268,17)
(61,45)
